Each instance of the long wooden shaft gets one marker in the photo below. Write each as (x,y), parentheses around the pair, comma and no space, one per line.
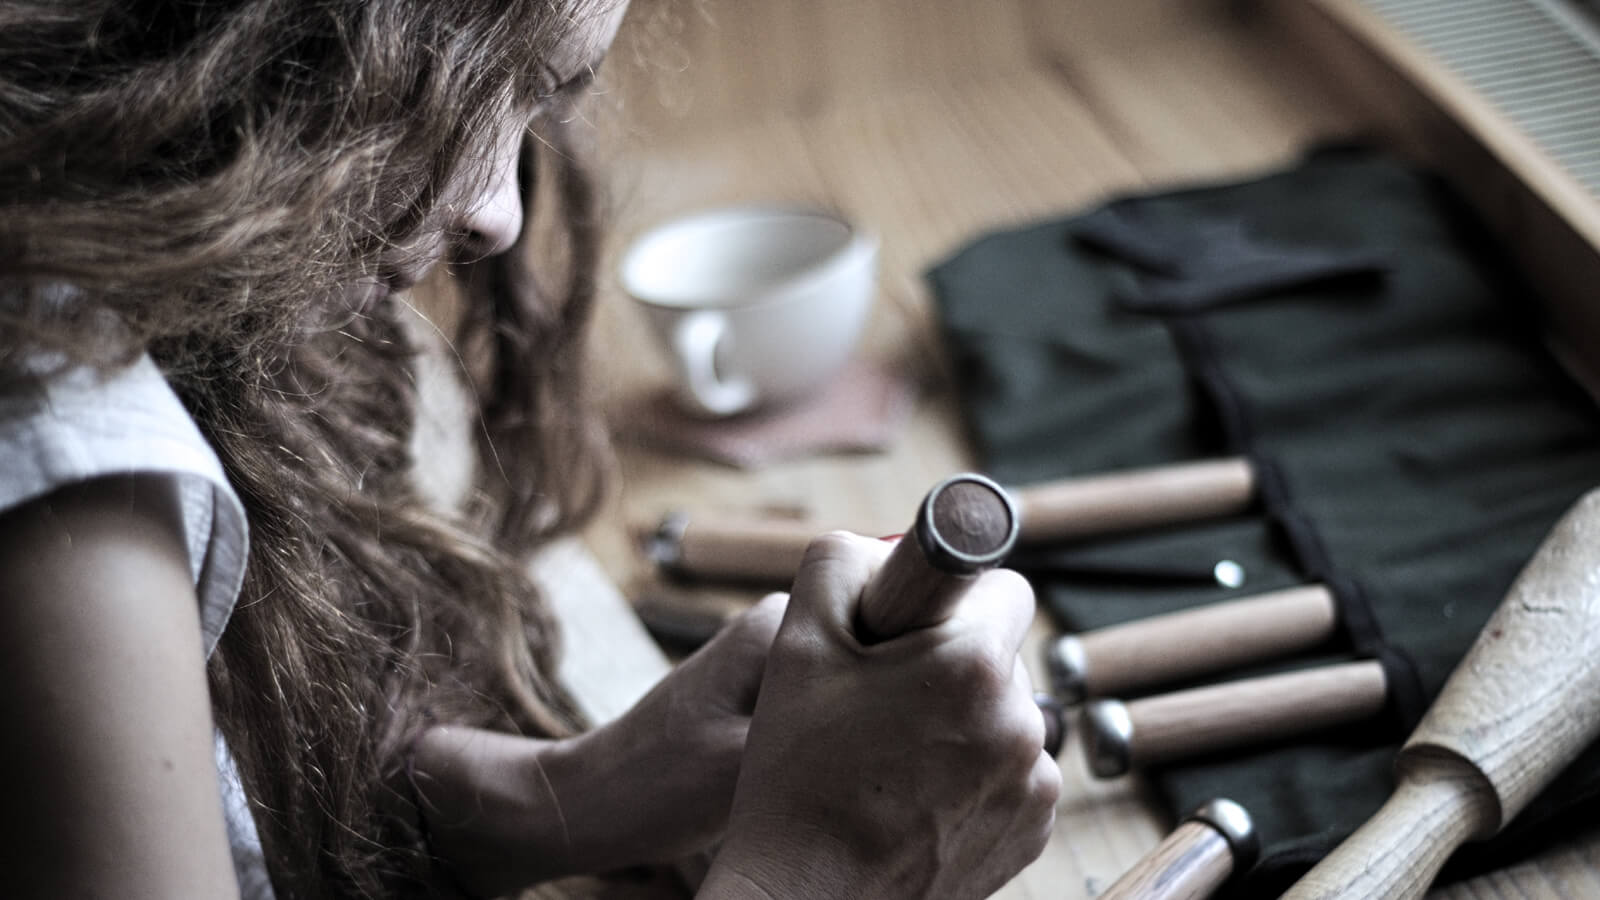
(1146,653)
(1194,860)
(1121,736)
(1137,498)
(770,550)
(752,549)
(1188,865)
(1523,702)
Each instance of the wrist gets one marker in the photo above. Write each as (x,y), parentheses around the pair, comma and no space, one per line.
(785,866)
(503,811)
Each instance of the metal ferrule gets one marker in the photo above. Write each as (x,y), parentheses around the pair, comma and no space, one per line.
(664,546)
(1108,738)
(1055,722)
(1234,824)
(1067,666)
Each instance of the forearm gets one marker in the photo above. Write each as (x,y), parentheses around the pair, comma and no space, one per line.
(503,812)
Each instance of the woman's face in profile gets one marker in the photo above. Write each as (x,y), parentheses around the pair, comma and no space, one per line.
(481,206)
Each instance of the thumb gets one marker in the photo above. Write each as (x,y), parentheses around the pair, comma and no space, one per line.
(828,586)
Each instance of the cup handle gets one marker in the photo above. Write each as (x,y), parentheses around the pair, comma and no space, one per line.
(695,340)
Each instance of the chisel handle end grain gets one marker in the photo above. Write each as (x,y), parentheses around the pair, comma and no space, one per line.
(965,525)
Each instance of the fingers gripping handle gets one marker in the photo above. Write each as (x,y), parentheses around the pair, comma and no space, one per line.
(965,525)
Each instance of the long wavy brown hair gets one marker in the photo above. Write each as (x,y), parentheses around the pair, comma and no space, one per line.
(213,180)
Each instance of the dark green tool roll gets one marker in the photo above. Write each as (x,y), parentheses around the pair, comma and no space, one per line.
(1347,326)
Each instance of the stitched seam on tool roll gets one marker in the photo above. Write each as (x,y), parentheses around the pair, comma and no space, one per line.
(1196,347)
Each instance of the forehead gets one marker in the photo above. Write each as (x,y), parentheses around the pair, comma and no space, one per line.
(594,26)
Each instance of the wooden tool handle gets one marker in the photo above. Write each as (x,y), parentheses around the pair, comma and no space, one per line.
(1134,656)
(1137,498)
(1440,803)
(1526,698)
(965,525)
(1190,864)
(748,549)
(1123,736)
(1194,860)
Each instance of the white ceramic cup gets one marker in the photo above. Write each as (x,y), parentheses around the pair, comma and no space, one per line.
(756,307)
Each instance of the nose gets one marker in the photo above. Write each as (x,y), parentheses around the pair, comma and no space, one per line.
(492,220)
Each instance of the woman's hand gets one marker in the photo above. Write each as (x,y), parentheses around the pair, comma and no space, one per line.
(675,755)
(908,768)
(652,786)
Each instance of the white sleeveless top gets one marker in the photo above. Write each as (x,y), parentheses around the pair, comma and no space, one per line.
(78,425)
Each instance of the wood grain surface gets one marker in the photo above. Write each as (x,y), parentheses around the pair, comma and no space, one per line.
(933,121)
(1189,864)
(1143,654)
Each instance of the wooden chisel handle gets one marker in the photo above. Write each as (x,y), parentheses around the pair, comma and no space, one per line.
(1214,842)
(965,525)
(1137,498)
(770,550)
(1145,653)
(1119,737)
(1522,703)
(730,549)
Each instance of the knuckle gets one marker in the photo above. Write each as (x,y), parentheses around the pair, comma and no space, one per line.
(830,547)
(1010,584)
(762,619)
(1028,737)
(797,649)
(1041,835)
(1047,786)
(982,675)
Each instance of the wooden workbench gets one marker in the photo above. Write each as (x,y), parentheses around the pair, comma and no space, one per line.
(932,121)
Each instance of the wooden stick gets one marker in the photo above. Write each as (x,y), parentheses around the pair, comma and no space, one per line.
(1139,498)
(1518,708)
(1138,655)
(1215,841)
(730,549)
(770,551)
(1119,737)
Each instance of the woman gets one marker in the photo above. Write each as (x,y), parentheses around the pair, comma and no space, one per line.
(213,212)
